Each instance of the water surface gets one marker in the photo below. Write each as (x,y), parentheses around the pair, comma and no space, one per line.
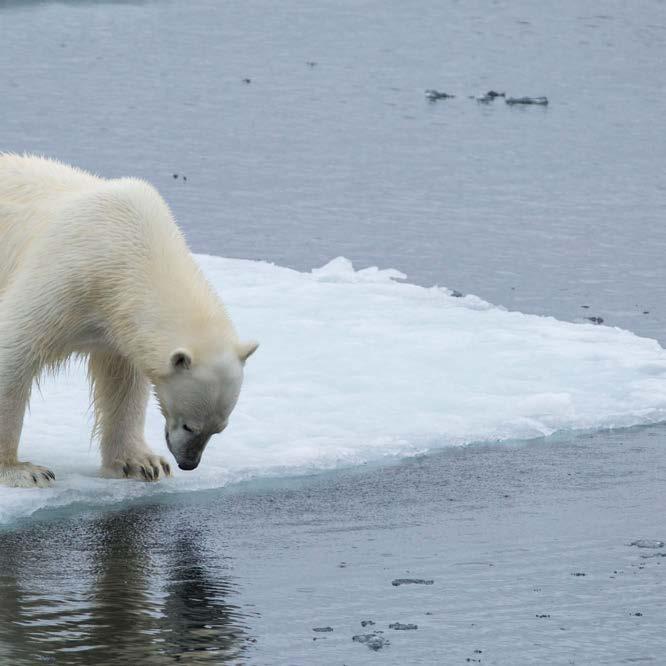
(540,209)
(543,210)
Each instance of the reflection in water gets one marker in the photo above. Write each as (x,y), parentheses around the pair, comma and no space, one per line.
(116,591)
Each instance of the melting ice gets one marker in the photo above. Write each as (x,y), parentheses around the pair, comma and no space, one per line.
(355,366)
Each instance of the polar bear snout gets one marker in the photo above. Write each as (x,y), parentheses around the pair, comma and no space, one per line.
(191,457)
(187,452)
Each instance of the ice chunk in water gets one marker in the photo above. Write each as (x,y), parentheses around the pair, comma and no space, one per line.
(375,641)
(647,543)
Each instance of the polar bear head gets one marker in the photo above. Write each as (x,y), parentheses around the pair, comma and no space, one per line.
(196,398)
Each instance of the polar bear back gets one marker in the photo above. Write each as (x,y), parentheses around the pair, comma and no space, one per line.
(32,180)
(30,187)
(106,250)
(80,217)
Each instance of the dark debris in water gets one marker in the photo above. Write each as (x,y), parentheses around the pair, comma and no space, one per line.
(539,101)
(595,320)
(411,581)
(399,626)
(367,623)
(322,629)
(490,96)
(434,95)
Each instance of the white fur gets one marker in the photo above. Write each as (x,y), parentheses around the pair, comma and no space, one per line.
(98,267)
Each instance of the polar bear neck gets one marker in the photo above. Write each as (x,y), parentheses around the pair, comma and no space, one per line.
(178,310)
(183,321)
(160,300)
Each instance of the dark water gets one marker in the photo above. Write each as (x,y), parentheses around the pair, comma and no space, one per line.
(540,209)
(508,534)
(118,589)
(115,590)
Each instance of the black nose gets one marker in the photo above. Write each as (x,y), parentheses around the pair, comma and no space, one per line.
(188,464)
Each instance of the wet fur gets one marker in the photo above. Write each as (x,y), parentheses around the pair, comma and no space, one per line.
(98,268)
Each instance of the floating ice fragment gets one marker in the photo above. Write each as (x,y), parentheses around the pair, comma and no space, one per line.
(356,367)
(375,641)
(399,626)
(490,96)
(434,95)
(411,581)
(647,543)
(541,101)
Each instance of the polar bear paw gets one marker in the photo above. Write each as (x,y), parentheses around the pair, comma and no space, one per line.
(143,466)
(26,475)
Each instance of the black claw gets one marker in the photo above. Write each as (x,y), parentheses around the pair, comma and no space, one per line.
(52,475)
(166,468)
(46,476)
(34,478)
(144,473)
(126,469)
(156,472)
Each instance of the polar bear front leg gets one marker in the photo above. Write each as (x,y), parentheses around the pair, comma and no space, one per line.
(120,395)
(13,400)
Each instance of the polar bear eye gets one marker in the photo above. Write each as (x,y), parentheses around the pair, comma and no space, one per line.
(187,428)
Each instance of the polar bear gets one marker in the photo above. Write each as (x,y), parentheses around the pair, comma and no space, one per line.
(98,268)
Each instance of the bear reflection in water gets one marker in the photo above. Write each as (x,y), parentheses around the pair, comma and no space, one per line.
(131,597)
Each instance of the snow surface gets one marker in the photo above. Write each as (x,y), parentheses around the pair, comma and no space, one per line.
(355,366)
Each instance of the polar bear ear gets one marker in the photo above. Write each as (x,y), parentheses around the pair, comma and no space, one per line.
(246,349)
(181,359)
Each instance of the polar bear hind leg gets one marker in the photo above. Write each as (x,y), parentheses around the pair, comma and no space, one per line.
(13,472)
(16,375)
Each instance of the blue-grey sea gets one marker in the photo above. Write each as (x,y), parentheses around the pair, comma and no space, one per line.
(296,132)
